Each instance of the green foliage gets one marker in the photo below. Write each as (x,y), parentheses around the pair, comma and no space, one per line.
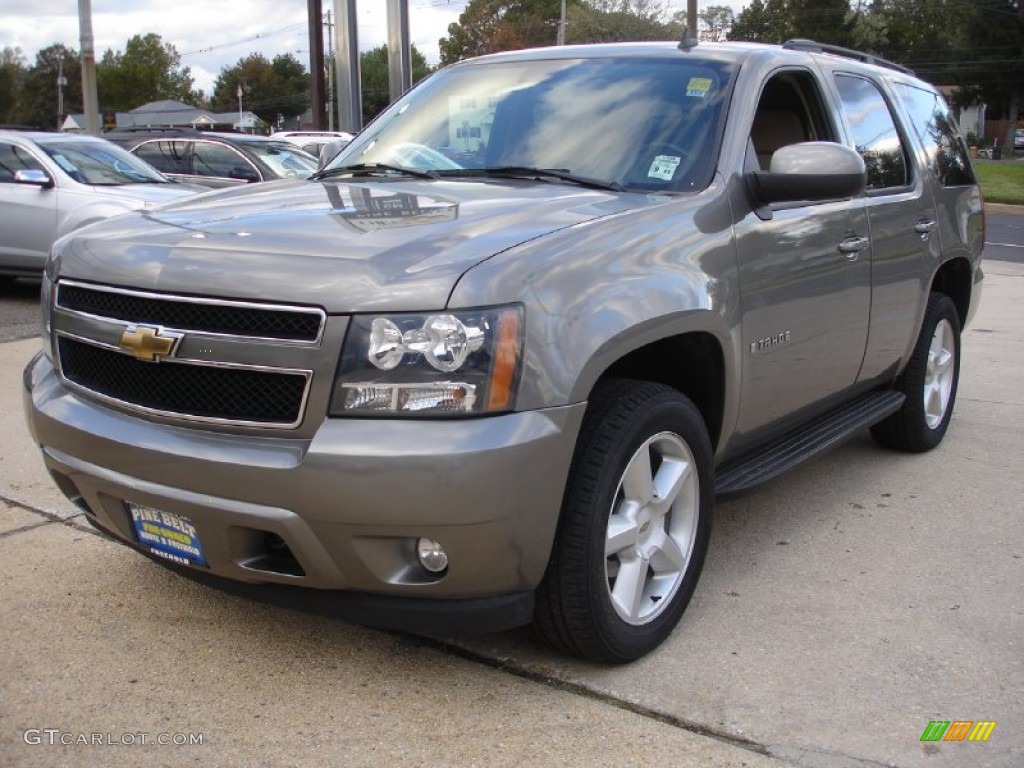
(1002,181)
(373,67)
(763,22)
(269,88)
(609,22)
(489,26)
(36,101)
(148,70)
(12,73)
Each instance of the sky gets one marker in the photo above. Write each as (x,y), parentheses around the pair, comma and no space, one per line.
(212,35)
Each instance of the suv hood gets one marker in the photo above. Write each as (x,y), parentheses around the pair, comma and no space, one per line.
(346,246)
(138,195)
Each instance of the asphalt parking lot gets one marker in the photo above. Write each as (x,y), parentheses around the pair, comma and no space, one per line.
(842,609)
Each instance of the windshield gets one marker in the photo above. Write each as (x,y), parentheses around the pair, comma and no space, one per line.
(100,163)
(641,123)
(284,158)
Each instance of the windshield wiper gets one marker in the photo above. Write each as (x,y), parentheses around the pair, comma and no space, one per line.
(526,172)
(370,169)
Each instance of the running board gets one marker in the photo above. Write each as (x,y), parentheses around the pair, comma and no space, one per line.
(782,454)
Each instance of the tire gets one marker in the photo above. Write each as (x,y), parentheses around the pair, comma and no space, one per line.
(929,382)
(614,608)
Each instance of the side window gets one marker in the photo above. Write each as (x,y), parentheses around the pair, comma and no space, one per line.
(789,111)
(874,132)
(13,159)
(210,159)
(935,127)
(165,156)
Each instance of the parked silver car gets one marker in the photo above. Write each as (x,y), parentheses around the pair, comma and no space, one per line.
(52,183)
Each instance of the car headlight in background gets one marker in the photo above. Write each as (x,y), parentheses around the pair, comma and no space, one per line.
(439,364)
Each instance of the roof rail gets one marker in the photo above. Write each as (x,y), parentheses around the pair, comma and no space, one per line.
(800,44)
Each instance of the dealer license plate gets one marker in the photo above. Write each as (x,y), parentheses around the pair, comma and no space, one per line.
(166,534)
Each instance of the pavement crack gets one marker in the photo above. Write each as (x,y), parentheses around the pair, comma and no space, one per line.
(51,517)
(578,689)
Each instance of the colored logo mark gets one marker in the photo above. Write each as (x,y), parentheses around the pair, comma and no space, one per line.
(958,730)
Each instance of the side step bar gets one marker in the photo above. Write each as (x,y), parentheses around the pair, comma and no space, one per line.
(782,454)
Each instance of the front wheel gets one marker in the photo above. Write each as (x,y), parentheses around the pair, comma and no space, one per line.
(929,382)
(635,525)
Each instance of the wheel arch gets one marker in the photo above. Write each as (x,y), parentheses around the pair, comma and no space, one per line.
(955,279)
(693,363)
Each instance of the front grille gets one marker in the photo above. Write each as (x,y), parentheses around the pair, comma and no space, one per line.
(234,319)
(234,394)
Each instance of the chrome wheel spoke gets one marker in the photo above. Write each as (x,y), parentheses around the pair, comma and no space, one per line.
(939,373)
(638,480)
(629,586)
(651,528)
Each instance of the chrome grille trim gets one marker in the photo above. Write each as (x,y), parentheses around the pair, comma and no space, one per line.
(212,420)
(316,312)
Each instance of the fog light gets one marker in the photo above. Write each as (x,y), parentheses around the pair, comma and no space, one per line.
(432,555)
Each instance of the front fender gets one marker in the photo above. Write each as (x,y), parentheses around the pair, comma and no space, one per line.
(91,213)
(597,291)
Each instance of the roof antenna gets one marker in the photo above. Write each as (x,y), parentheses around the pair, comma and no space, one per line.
(688,43)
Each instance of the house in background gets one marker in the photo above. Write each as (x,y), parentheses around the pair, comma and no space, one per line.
(171,114)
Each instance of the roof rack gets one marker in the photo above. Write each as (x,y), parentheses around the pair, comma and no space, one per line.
(801,44)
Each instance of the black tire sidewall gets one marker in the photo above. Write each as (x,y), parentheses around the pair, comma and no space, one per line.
(665,411)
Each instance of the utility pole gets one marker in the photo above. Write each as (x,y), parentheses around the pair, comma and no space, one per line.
(316,61)
(330,71)
(399,50)
(561,26)
(61,82)
(90,103)
(350,98)
(691,18)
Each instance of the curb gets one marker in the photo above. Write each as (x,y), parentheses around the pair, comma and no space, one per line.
(1004,208)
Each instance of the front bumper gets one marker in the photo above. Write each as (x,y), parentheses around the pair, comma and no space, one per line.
(347,505)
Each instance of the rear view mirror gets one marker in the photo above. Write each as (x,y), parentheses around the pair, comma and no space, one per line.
(813,170)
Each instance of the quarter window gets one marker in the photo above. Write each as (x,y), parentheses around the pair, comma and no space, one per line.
(874,132)
(935,127)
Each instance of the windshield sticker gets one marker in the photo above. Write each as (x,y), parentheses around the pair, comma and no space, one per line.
(698,87)
(664,167)
(66,164)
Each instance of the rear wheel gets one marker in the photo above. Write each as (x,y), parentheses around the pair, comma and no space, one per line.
(929,382)
(635,525)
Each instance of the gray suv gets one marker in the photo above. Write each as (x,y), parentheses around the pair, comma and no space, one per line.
(494,363)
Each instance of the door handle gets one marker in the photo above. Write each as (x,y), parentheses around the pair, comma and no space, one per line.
(852,246)
(925,227)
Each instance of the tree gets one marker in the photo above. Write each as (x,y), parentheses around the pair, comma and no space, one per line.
(36,102)
(489,26)
(12,75)
(148,70)
(373,66)
(602,21)
(713,23)
(271,89)
(762,21)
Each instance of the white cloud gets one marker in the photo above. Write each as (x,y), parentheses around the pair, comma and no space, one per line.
(211,35)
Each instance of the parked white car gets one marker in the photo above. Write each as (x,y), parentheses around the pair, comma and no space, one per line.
(52,183)
(315,141)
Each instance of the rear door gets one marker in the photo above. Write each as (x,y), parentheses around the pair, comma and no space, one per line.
(170,157)
(903,220)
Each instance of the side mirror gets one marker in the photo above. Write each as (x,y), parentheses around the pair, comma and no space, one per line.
(33,176)
(813,170)
(245,174)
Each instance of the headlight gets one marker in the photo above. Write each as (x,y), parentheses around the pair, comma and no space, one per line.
(439,364)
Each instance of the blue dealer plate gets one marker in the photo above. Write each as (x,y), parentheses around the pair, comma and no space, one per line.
(166,534)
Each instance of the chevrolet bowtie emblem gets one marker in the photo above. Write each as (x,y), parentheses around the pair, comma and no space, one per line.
(149,343)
